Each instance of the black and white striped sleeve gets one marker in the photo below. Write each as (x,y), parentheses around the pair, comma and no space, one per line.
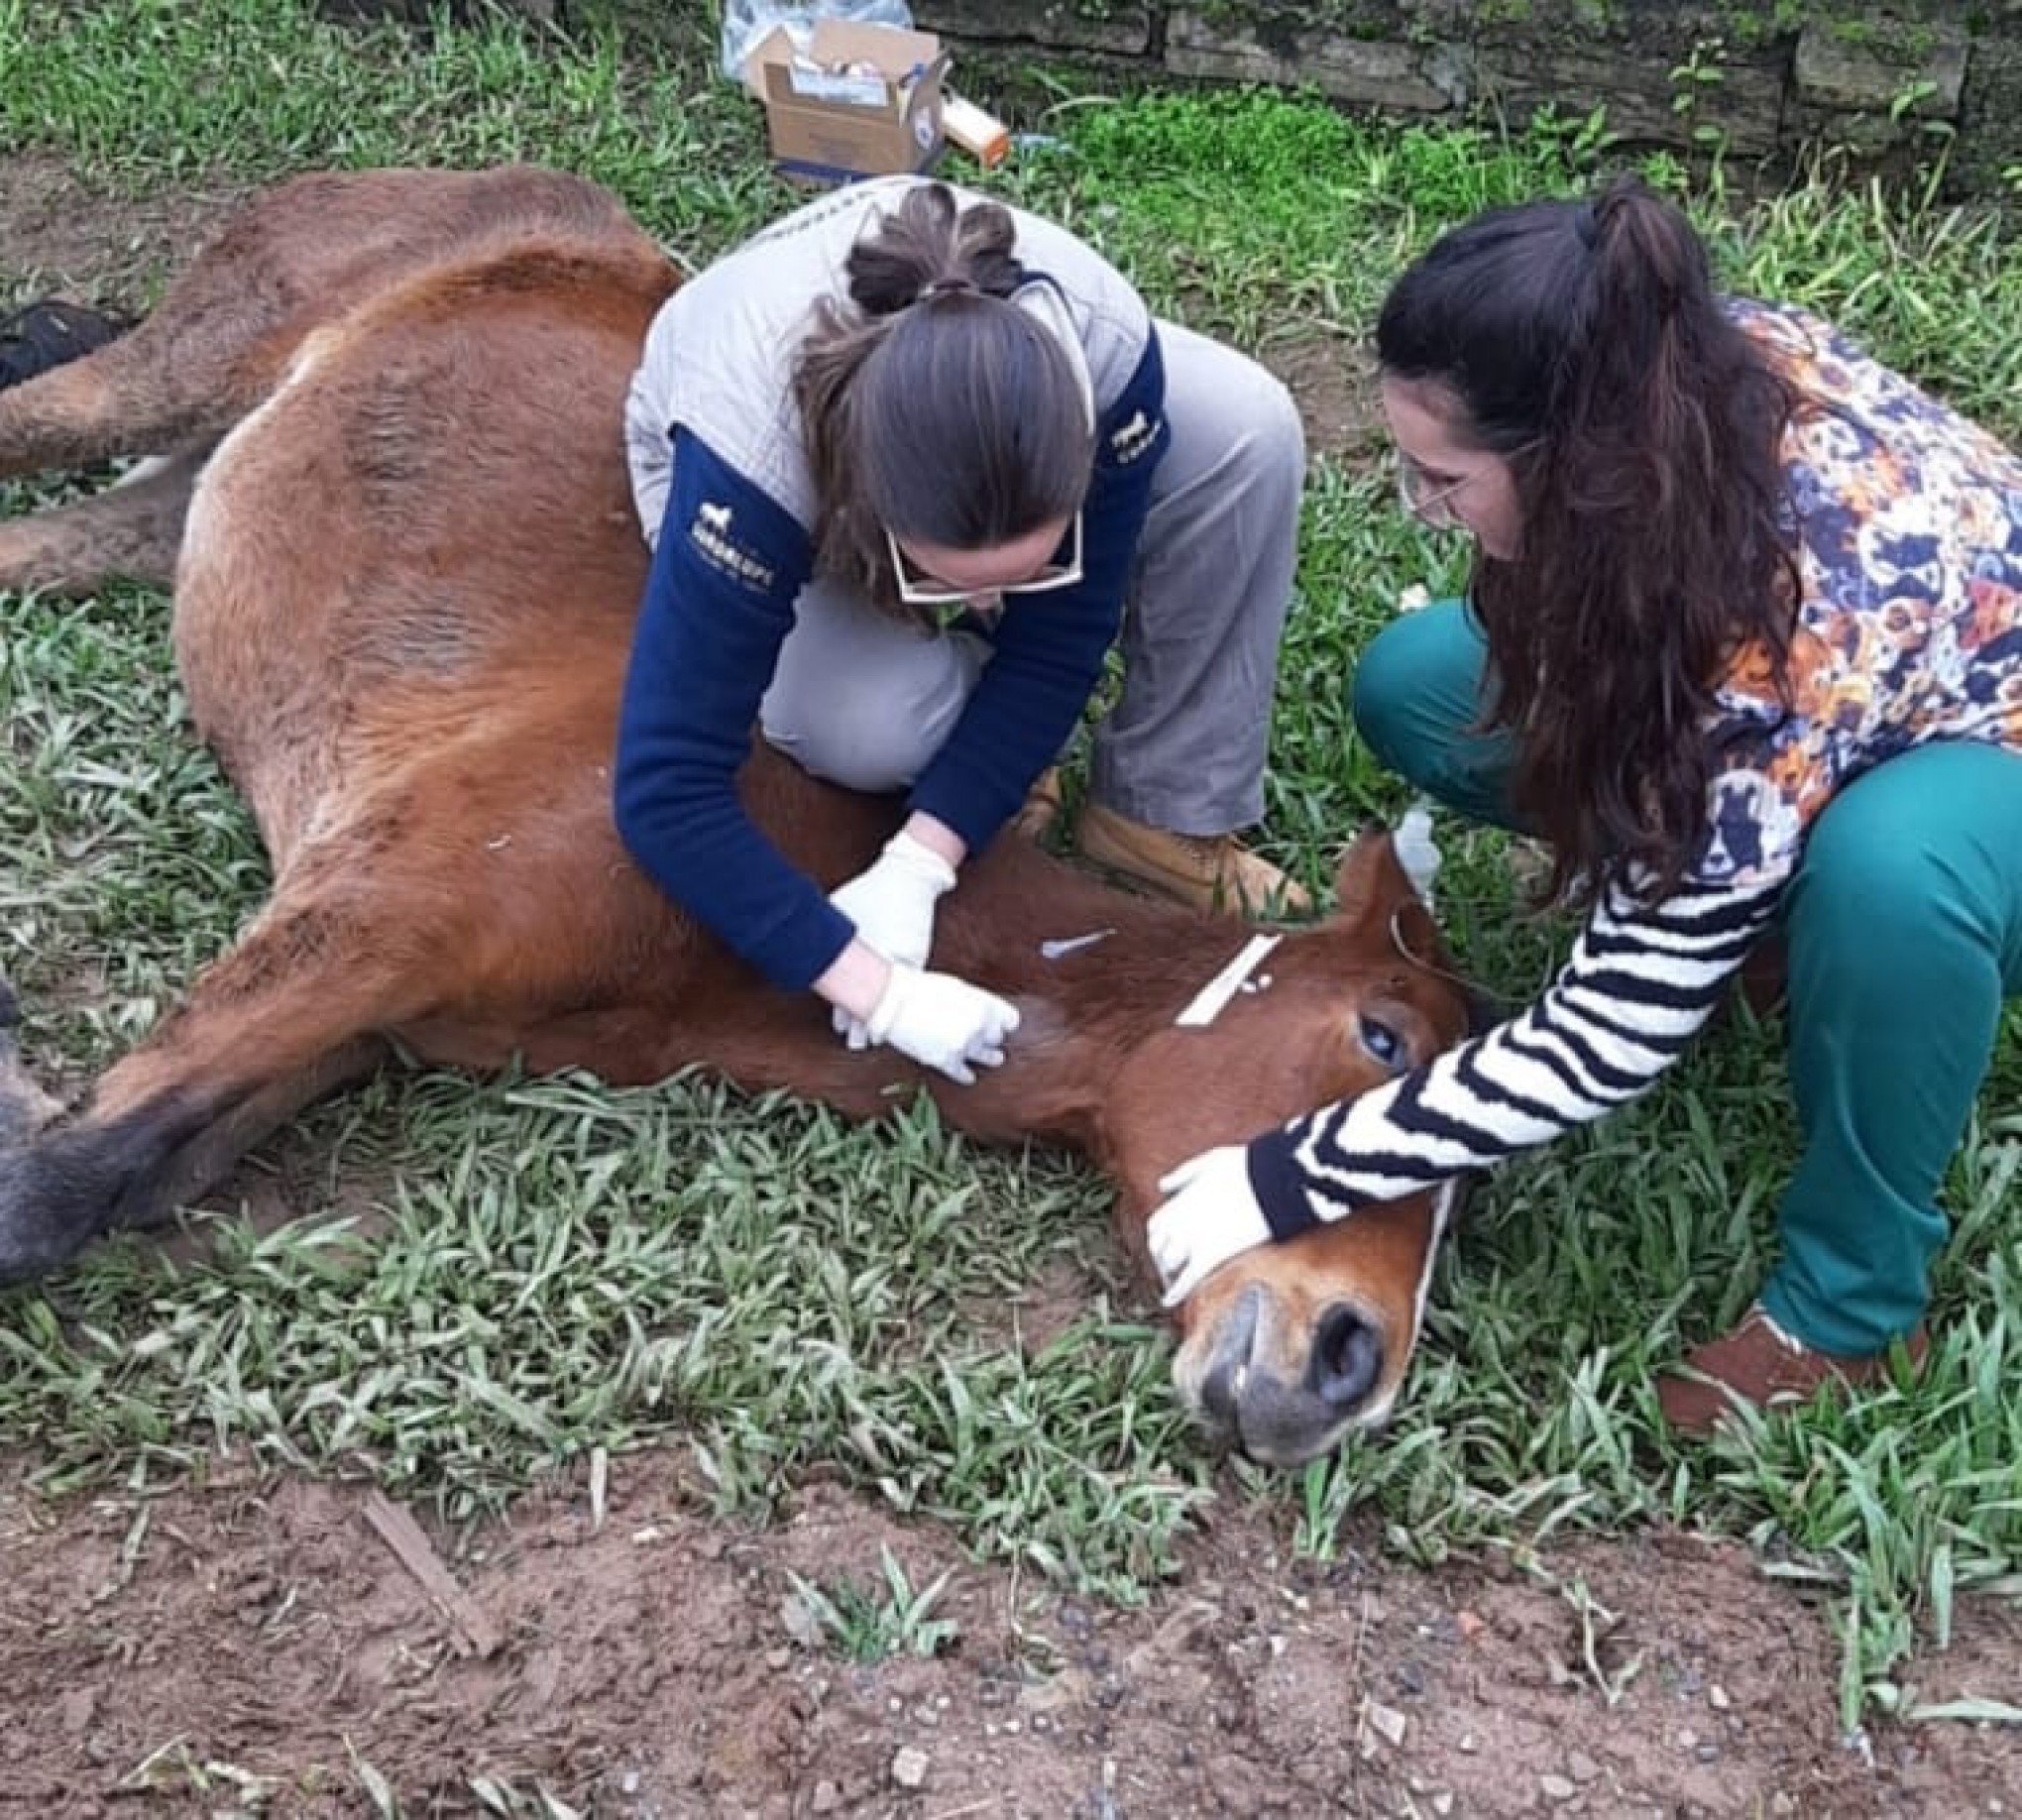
(1640,982)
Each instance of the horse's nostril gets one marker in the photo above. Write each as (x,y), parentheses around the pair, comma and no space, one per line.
(1347,1358)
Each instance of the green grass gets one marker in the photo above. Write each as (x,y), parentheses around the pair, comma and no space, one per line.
(868,1623)
(521,1273)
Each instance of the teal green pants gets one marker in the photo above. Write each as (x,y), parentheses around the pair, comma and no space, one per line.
(1904,932)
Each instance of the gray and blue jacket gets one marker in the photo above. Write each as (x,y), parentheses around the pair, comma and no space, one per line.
(720,474)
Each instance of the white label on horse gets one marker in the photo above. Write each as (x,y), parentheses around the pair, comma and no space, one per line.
(1205,1006)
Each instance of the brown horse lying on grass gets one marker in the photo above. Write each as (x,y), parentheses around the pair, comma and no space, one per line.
(391,497)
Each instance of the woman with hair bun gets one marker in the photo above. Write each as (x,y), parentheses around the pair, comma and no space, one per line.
(1743,644)
(911,462)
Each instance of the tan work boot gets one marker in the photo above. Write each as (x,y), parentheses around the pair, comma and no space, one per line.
(1760,1363)
(1212,872)
(1041,806)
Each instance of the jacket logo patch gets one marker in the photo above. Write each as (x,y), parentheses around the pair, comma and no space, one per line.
(711,535)
(1133,438)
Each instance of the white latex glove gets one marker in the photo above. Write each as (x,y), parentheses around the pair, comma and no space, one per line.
(891,903)
(942,1022)
(1210,1215)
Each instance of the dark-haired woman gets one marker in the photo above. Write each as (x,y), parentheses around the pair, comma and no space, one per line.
(1743,642)
(912,461)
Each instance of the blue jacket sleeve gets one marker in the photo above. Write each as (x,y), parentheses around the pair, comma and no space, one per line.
(718,604)
(1049,647)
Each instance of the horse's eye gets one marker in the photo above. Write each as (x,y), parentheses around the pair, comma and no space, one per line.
(1383,1042)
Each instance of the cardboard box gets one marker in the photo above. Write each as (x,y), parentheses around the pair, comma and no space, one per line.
(857,101)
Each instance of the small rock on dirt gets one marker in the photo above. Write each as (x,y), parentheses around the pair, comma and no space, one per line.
(909,1767)
(1386,1722)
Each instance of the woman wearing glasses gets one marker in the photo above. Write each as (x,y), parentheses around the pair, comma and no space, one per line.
(912,462)
(1743,642)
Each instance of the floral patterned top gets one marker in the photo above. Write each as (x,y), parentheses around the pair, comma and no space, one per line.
(1909,541)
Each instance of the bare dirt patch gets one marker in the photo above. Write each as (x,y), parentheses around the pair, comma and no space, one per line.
(1332,376)
(61,235)
(254,1645)
(257,1642)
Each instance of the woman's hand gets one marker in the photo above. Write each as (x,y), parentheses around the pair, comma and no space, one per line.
(942,1022)
(892,901)
(1210,1215)
(939,1020)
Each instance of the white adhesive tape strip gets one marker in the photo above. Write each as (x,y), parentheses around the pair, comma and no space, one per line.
(1205,1006)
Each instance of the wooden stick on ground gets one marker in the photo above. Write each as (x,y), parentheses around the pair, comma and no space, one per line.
(472,1628)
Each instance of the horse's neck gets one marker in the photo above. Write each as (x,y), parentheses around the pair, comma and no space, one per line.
(1108,956)
(1096,973)
(1021,919)
(1021,923)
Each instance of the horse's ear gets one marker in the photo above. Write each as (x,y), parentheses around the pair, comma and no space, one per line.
(1381,906)
(1370,884)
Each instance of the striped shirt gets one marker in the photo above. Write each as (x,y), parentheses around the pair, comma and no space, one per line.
(1907,528)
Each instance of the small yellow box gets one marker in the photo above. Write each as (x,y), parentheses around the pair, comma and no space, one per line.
(985,137)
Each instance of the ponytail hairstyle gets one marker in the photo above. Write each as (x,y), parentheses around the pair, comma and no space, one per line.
(933,406)
(1583,343)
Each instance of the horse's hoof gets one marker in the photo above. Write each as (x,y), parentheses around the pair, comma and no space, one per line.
(47,334)
(37,1232)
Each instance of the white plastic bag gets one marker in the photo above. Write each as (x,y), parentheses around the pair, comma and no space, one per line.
(746,22)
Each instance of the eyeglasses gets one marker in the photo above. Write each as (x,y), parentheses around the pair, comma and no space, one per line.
(1423,499)
(919,589)
(1426,501)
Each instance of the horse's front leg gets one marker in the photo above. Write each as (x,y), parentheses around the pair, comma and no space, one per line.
(130,531)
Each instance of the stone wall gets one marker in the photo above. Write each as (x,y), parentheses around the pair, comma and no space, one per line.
(1894,82)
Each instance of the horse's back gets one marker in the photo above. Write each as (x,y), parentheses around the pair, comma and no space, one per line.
(311,249)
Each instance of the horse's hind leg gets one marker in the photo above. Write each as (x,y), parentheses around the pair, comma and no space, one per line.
(170,389)
(299,255)
(216,344)
(133,529)
(291,1012)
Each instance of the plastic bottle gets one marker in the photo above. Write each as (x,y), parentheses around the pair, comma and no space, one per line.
(1417,852)
(981,135)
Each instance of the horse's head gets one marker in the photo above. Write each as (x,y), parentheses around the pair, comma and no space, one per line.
(1287,1347)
